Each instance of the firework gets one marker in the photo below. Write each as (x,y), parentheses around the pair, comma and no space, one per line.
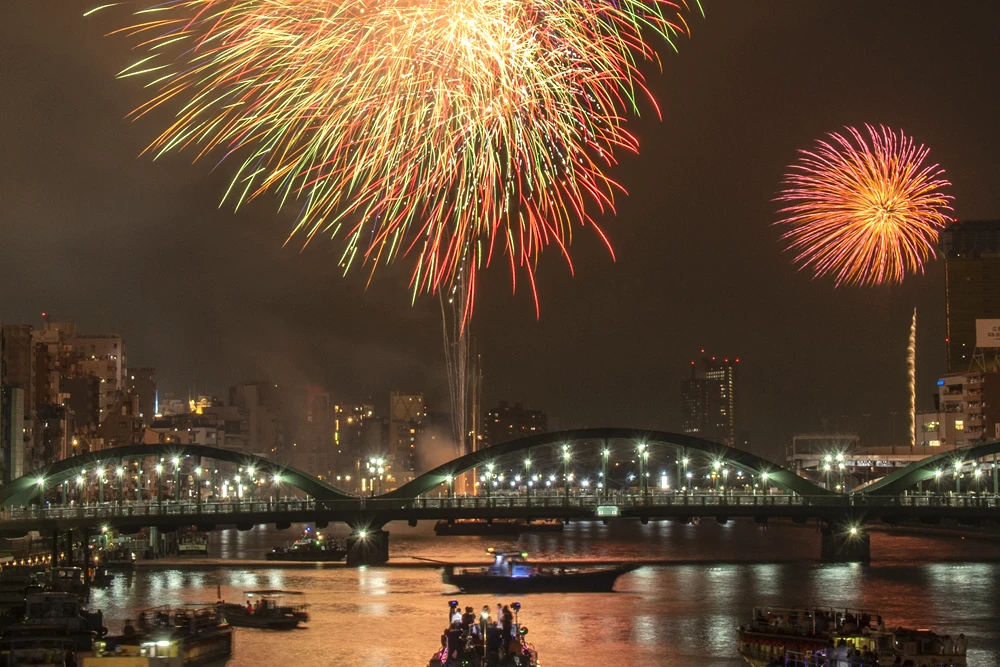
(866,212)
(445,131)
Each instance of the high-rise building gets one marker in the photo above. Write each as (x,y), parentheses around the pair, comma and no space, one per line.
(17,404)
(141,384)
(972,268)
(407,419)
(708,399)
(510,422)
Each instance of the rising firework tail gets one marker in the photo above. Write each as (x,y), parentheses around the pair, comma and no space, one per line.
(444,131)
(867,211)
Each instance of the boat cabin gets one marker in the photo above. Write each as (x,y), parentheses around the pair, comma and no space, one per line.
(513,564)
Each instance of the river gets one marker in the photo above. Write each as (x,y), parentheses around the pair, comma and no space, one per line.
(680,614)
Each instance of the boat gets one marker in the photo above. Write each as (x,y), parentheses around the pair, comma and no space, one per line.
(68,580)
(512,527)
(511,573)
(820,637)
(309,548)
(193,544)
(167,637)
(117,558)
(479,641)
(266,610)
(54,615)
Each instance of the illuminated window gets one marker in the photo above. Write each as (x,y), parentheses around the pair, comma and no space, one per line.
(934,443)
(927,427)
(959,425)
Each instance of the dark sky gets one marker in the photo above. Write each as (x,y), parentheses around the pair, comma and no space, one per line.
(95,234)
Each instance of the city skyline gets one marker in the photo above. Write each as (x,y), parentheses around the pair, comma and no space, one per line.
(139,247)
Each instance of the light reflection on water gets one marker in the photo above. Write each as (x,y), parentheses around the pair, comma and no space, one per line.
(671,616)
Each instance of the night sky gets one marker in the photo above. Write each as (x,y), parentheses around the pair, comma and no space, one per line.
(93,233)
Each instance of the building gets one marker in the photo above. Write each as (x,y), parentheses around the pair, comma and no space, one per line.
(141,383)
(407,419)
(972,269)
(17,404)
(510,422)
(967,412)
(708,399)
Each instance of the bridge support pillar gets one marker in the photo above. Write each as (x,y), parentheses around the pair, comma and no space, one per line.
(844,547)
(368,547)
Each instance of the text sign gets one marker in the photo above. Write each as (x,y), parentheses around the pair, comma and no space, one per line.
(607,510)
(987,333)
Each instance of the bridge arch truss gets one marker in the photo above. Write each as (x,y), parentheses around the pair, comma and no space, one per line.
(932,467)
(23,490)
(680,446)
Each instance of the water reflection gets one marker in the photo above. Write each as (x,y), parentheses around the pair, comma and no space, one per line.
(663,616)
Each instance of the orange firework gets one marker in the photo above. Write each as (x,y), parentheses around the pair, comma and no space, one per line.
(867,212)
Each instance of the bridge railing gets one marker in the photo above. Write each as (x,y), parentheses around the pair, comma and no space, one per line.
(225,511)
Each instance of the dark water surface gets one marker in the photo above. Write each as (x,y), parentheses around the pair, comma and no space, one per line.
(677,615)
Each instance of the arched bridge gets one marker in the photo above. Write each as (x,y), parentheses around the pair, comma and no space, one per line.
(953,464)
(677,451)
(175,458)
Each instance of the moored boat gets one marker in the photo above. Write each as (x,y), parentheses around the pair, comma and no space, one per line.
(266,610)
(506,527)
(511,573)
(192,544)
(310,548)
(823,637)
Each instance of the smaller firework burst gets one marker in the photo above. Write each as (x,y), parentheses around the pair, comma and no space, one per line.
(868,212)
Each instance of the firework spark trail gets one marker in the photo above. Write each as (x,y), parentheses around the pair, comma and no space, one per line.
(449,130)
(911,367)
(867,212)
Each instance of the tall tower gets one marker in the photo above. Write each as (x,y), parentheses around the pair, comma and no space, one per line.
(708,399)
(972,269)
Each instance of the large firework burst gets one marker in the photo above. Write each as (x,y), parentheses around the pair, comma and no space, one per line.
(868,212)
(443,130)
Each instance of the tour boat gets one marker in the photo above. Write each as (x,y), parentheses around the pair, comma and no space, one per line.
(309,548)
(167,637)
(118,558)
(507,527)
(820,637)
(482,643)
(266,610)
(511,573)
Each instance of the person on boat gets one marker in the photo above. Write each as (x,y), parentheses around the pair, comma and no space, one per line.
(468,619)
(256,606)
(249,607)
(947,645)
(879,624)
(454,615)
(961,644)
(841,654)
(456,643)
(507,622)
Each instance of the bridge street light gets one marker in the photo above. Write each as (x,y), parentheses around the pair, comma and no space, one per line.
(177,478)
(566,457)
(958,477)
(605,454)
(159,483)
(99,473)
(527,475)
(643,458)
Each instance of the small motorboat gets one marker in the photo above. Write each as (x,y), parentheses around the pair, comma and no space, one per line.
(506,527)
(310,548)
(266,610)
(511,573)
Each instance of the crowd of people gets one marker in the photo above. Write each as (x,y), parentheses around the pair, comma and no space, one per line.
(489,638)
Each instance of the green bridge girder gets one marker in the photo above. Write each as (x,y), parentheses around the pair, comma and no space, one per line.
(686,444)
(900,480)
(23,489)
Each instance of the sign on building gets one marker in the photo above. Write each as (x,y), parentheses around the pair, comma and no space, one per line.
(987,333)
